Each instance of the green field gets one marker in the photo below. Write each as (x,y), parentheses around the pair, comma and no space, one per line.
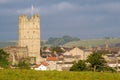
(14,74)
(93,42)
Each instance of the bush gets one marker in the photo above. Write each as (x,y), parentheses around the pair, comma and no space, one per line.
(24,64)
(4,63)
(79,66)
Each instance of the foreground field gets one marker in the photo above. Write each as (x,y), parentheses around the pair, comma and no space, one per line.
(55,75)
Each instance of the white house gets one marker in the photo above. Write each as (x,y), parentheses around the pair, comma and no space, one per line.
(41,66)
(113,64)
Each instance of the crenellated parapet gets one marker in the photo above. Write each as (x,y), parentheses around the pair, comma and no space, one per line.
(29,23)
(34,18)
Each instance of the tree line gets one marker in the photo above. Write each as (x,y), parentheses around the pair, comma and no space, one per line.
(95,62)
(56,41)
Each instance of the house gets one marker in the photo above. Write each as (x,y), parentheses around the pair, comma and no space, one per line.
(52,62)
(45,54)
(66,59)
(114,64)
(41,66)
(80,54)
(72,54)
(64,66)
(86,54)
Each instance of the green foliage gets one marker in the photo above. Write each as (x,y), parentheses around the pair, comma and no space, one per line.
(4,63)
(98,63)
(56,49)
(95,62)
(79,66)
(61,41)
(55,41)
(69,38)
(44,48)
(16,74)
(24,64)
(42,43)
(106,69)
(96,59)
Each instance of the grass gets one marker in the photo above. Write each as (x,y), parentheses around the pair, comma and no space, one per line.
(94,42)
(15,74)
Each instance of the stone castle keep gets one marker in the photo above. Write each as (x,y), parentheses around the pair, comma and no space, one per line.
(29,35)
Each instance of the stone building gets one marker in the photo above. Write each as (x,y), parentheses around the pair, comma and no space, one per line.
(29,35)
(16,53)
(77,53)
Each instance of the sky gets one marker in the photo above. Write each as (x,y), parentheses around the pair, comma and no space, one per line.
(85,19)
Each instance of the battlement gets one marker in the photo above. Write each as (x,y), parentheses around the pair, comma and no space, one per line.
(32,18)
(23,16)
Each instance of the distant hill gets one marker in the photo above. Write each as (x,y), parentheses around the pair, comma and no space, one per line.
(5,44)
(56,41)
(114,42)
(94,42)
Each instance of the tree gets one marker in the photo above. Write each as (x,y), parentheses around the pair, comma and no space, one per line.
(97,61)
(69,38)
(24,63)
(61,40)
(79,66)
(4,56)
(56,49)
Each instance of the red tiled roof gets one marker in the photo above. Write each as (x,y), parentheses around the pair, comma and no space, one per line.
(51,58)
(42,63)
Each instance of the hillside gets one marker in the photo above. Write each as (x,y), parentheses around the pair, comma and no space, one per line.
(94,42)
(5,44)
(85,43)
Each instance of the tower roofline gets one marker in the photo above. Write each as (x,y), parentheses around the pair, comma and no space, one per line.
(24,16)
(31,15)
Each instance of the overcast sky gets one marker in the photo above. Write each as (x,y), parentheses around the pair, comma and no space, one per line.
(86,19)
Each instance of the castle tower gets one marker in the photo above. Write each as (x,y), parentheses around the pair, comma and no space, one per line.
(29,35)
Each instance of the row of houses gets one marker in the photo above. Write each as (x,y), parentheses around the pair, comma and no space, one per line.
(67,58)
(64,60)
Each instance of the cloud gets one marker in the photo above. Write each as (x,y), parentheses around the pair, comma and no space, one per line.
(51,9)
(28,11)
(64,6)
(5,1)
(112,7)
(103,7)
